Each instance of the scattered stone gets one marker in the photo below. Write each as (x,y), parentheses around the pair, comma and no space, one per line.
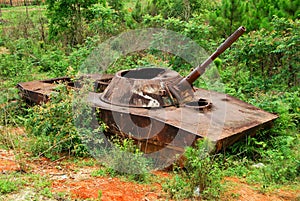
(197,191)
(258,165)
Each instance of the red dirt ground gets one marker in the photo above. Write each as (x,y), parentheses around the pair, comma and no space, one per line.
(7,161)
(81,185)
(78,182)
(110,188)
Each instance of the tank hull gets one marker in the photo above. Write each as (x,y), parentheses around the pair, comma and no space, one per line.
(164,133)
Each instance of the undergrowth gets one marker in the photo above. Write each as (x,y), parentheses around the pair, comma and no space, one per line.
(201,176)
(124,158)
(52,129)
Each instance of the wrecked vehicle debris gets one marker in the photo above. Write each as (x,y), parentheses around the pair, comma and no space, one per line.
(161,111)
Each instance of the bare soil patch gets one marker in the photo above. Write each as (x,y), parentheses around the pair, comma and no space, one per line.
(8,161)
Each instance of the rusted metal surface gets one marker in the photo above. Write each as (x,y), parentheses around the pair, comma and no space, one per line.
(167,131)
(144,87)
(39,92)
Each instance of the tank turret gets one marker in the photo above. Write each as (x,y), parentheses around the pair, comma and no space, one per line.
(158,87)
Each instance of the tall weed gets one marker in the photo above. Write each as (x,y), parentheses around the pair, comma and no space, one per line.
(201,176)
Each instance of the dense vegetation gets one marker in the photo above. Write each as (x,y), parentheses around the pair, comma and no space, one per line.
(262,68)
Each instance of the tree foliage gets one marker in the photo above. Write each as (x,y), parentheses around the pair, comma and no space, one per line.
(67,19)
(271,56)
(182,9)
(254,14)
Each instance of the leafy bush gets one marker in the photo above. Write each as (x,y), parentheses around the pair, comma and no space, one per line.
(283,162)
(53,127)
(277,148)
(179,187)
(105,21)
(55,62)
(67,20)
(180,9)
(195,28)
(201,176)
(19,61)
(125,158)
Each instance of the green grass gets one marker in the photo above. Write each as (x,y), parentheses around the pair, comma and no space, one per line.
(14,14)
(14,182)
(28,186)
(7,186)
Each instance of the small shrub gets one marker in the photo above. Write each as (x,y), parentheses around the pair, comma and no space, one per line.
(179,187)
(124,158)
(200,178)
(100,173)
(52,128)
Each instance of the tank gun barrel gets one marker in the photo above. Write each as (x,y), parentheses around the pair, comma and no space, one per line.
(198,71)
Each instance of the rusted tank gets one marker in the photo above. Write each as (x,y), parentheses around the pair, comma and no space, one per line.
(39,91)
(163,113)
